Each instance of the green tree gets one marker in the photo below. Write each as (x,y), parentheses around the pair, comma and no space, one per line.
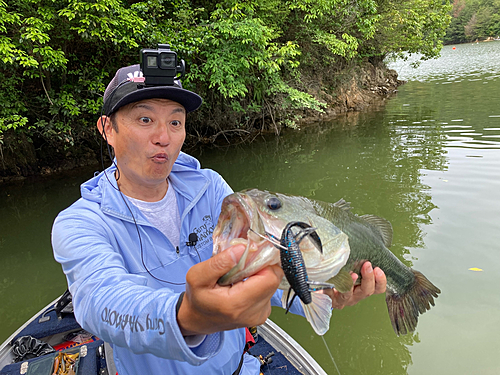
(253,61)
(473,19)
(415,26)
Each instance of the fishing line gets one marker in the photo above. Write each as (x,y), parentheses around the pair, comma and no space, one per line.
(117,188)
(269,368)
(331,356)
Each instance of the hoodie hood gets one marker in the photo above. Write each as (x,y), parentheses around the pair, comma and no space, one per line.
(185,160)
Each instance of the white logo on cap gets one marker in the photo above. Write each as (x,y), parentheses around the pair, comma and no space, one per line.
(136,76)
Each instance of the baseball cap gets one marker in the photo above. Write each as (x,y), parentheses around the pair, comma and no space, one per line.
(127,86)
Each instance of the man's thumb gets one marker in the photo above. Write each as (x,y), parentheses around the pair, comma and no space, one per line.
(211,270)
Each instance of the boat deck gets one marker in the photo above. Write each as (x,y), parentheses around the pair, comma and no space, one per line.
(289,357)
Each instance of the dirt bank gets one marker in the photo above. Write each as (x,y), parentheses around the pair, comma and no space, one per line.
(370,84)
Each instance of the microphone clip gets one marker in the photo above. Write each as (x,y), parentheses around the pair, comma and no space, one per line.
(193,239)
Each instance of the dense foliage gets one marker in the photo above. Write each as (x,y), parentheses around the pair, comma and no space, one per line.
(473,20)
(253,61)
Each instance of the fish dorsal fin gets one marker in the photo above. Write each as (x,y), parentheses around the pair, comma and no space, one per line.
(382,226)
(343,205)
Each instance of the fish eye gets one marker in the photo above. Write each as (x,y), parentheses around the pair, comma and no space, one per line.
(273,203)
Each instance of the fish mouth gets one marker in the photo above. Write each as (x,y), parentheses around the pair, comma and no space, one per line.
(240,223)
(238,215)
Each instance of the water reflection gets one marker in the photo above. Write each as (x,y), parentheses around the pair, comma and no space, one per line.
(381,162)
(467,107)
(30,278)
(467,62)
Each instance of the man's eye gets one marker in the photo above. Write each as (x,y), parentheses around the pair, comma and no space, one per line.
(176,122)
(145,120)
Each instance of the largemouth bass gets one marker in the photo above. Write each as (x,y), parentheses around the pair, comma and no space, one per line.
(248,218)
(409,293)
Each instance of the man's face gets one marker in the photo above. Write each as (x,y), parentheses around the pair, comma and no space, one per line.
(149,138)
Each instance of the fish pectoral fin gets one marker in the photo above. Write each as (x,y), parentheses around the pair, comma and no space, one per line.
(382,227)
(319,312)
(342,281)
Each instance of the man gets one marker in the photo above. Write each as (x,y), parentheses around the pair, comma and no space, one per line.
(138,281)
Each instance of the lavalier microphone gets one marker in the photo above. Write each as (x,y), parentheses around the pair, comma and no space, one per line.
(193,239)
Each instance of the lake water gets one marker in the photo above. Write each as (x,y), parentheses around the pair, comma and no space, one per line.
(428,161)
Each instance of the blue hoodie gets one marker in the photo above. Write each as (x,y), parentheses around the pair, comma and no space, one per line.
(97,242)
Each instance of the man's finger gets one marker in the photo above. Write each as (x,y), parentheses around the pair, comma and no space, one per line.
(347,295)
(261,285)
(367,286)
(380,281)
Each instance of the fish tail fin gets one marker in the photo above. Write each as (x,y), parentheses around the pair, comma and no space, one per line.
(319,312)
(404,309)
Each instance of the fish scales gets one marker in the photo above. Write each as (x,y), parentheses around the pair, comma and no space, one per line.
(366,245)
(409,292)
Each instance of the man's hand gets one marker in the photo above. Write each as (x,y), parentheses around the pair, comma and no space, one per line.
(208,307)
(373,281)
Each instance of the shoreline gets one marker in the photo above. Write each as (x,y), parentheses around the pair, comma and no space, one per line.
(372,85)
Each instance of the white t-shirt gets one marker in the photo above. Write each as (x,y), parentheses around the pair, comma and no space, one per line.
(164,215)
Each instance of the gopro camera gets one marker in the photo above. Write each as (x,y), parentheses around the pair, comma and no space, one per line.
(160,66)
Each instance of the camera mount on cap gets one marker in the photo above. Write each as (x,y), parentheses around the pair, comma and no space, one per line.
(160,66)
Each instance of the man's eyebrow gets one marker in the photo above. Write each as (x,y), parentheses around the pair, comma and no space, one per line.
(179,109)
(175,110)
(142,105)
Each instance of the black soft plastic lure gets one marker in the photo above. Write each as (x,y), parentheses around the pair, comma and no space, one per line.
(292,261)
